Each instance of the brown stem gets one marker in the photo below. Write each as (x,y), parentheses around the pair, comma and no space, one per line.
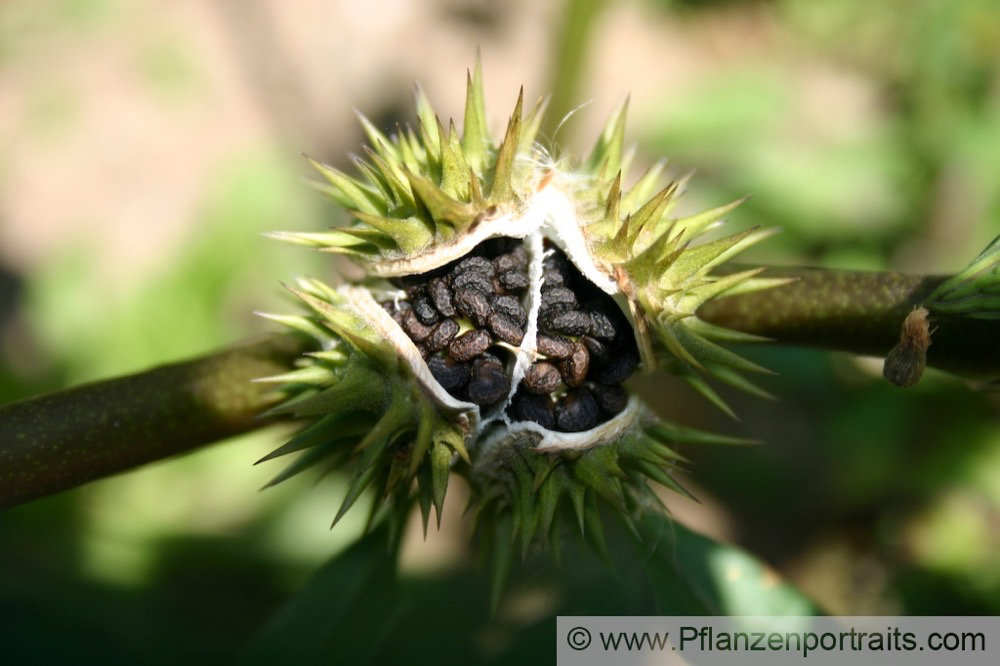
(858,312)
(58,441)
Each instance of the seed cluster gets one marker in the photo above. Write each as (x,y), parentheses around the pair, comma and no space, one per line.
(587,349)
(465,318)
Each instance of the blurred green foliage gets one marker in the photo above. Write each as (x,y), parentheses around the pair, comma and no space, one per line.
(871,498)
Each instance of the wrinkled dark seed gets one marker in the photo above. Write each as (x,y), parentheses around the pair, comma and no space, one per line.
(470,344)
(441,297)
(449,374)
(514,280)
(511,307)
(557,299)
(597,349)
(473,280)
(505,329)
(425,310)
(474,305)
(487,288)
(574,368)
(537,408)
(506,262)
(396,312)
(577,412)
(417,330)
(601,326)
(487,357)
(619,368)
(551,278)
(541,378)
(441,335)
(556,261)
(489,383)
(611,399)
(478,264)
(554,346)
(570,322)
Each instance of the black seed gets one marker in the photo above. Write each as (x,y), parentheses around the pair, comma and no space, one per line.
(448,373)
(541,378)
(487,357)
(441,335)
(424,308)
(415,289)
(554,346)
(601,326)
(489,383)
(574,368)
(510,306)
(611,399)
(395,311)
(473,304)
(514,280)
(417,330)
(619,368)
(557,299)
(537,408)
(597,349)
(505,329)
(552,278)
(556,269)
(477,264)
(578,411)
(441,296)
(506,262)
(570,322)
(473,279)
(469,345)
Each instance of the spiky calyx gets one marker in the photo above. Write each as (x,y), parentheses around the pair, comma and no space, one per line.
(973,293)
(423,201)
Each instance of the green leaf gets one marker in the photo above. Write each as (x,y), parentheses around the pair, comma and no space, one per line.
(691,574)
(342,615)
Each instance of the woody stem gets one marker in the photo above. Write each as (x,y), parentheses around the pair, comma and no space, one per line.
(857,312)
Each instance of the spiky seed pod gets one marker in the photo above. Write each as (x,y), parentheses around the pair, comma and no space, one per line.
(508,297)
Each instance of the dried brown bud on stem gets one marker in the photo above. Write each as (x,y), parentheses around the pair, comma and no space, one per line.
(905,364)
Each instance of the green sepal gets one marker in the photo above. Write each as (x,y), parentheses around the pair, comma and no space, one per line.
(476,141)
(441,207)
(454,168)
(974,292)
(410,235)
(425,493)
(502,190)
(440,461)
(359,484)
(502,538)
(335,426)
(606,157)
(355,195)
(530,125)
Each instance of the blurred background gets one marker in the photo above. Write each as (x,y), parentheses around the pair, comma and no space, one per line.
(146,144)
